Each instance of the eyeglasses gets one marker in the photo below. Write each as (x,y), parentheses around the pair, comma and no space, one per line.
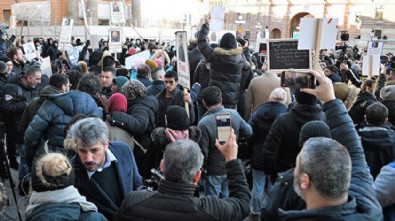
(169,82)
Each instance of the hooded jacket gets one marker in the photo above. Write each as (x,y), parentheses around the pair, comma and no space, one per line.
(357,111)
(378,143)
(282,143)
(261,122)
(362,204)
(15,99)
(52,117)
(225,68)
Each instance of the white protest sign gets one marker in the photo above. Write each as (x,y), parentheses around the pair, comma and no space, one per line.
(142,55)
(94,42)
(30,51)
(375,48)
(308,33)
(46,66)
(114,40)
(184,77)
(371,64)
(217,18)
(73,54)
(117,13)
(66,31)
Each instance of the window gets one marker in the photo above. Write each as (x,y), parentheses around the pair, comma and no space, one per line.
(248,17)
(259,17)
(7,15)
(379,14)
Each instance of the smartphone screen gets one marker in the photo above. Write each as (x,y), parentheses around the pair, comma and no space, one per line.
(223,127)
(297,79)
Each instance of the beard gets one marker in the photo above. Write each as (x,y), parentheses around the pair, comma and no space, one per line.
(297,188)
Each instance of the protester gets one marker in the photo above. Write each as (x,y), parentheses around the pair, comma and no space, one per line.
(364,99)
(387,95)
(18,60)
(158,83)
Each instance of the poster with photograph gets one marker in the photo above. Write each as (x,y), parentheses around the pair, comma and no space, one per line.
(46,66)
(117,13)
(30,51)
(114,39)
(184,76)
(66,31)
(375,48)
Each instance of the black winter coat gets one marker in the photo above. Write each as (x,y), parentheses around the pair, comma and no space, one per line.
(194,57)
(391,110)
(282,143)
(156,87)
(379,146)
(357,111)
(176,201)
(246,78)
(202,76)
(15,99)
(225,68)
(261,122)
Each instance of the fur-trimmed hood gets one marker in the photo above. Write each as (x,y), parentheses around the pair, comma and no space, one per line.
(160,139)
(230,52)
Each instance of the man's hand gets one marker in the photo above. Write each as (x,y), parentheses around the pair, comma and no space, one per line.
(187,97)
(325,91)
(229,149)
(343,67)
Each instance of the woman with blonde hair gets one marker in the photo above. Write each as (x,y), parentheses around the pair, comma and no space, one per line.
(347,94)
(83,67)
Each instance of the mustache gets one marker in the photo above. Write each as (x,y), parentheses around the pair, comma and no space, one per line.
(91,163)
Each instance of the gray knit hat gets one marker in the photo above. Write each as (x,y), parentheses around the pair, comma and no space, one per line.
(134,89)
(314,128)
(388,93)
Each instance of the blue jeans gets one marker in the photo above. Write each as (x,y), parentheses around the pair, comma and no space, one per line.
(23,169)
(258,194)
(215,185)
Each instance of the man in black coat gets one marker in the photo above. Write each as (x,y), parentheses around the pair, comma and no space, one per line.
(364,99)
(158,84)
(176,199)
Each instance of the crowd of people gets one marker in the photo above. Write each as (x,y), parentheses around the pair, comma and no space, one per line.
(89,136)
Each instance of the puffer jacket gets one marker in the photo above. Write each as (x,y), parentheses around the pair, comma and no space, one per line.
(194,57)
(282,143)
(390,104)
(52,117)
(202,76)
(225,68)
(14,104)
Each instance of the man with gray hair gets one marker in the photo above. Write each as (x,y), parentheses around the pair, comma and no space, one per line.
(176,197)
(331,175)
(105,171)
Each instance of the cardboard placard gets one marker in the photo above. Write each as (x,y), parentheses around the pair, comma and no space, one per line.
(184,77)
(66,31)
(217,18)
(30,51)
(117,13)
(46,67)
(141,55)
(283,54)
(371,65)
(114,40)
(375,48)
(308,33)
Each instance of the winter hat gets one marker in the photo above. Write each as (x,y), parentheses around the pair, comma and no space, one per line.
(177,118)
(53,171)
(5,59)
(278,95)
(3,67)
(120,81)
(304,98)
(332,68)
(134,89)
(117,102)
(131,51)
(151,64)
(228,41)
(314,128)
(388,93)
(159,62)
(95,58)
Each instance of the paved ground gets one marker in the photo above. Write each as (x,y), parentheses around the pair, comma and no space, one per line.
(10,211)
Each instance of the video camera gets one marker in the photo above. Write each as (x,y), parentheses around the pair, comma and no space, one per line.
(153,182)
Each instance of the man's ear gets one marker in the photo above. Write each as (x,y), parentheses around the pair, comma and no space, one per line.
(64,87)
(305,181)
(161,166)
(196,178)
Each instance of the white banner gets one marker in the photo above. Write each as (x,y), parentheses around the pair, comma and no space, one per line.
(184,77)
(114,40)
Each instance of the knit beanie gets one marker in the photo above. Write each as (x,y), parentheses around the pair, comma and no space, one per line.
(304,98)
(314,128)
(131,51)
(228,41)
(159,62)
(3,67)
(120,81)
(117,102)
(278,95)
(388,93)
(177,118)
(5,59)
(53,171)
(151,64)
(332,68)
(134,89)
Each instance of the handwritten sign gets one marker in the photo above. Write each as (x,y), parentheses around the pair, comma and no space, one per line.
(283,54)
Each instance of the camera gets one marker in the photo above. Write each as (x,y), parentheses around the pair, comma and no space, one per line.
(153,182)
(297,79)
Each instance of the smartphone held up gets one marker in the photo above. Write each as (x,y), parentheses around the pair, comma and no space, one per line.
(297,79)
(223,127)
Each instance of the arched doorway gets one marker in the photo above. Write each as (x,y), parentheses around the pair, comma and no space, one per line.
(276,33)
(295,21)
